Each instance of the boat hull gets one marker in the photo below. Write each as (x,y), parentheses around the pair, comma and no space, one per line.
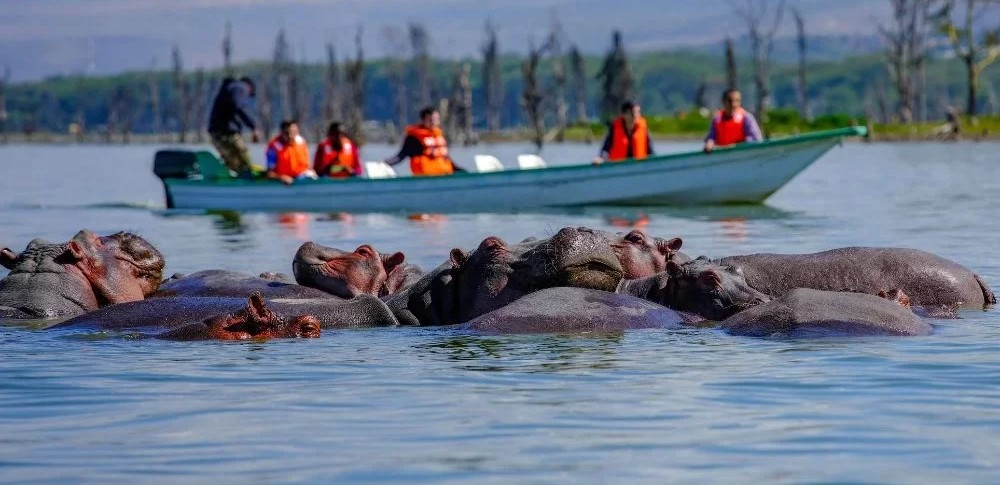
(745,175)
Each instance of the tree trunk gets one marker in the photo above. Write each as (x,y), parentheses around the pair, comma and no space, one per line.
(970,69)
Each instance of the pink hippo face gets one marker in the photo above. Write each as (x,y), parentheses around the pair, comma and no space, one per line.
(258,322)
(341,273)
(121,267)
(642,255)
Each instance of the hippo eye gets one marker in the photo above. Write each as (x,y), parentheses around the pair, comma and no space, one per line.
(634,237)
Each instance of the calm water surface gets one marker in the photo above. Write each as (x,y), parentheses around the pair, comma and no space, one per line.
(425,405)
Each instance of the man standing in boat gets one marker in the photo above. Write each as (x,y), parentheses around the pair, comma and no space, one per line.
(732,124)
(426,147)
(288,155)
(628,136)
(231,112)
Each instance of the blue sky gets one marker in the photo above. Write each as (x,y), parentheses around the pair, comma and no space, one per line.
(42,37)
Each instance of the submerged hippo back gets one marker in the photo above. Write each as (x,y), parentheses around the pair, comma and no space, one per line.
(217,282)
(928,279)
(805,312)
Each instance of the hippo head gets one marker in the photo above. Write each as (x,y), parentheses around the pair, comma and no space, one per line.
(642,255)
(121,267)
(699,286)
(341,273)
(497,273)
(257,322)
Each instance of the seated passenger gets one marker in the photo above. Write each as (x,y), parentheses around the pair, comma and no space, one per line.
(628,136)
(337,156)
(426,147)
(288,155)
(732,124)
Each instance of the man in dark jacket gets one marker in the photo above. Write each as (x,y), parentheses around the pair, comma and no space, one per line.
(231,112)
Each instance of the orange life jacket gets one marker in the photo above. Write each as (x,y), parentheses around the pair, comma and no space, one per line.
(620,140)
(434,160)
(293,158)
(729,132)
(347,157)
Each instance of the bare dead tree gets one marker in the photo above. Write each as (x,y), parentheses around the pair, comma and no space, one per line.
(531,97)
(801,86)
(119,117)
(617,82)
(332,104)
(459,117)
(492,79)
(5,73)
(977,52)
(182,95)
(356,88)
(395,43)
(578,70)
(281,64)
(732,80)
(153,85)
(905,40)
(755,13)
(227,51)
(557,92)
(420,45)
(78,118)
(265,101)
(199,103)
(701,95)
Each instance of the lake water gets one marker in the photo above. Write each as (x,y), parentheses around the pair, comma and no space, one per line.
(429,405)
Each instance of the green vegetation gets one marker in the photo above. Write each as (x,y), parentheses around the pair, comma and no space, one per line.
(857,88)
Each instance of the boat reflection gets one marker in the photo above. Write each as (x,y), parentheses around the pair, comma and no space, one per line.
(295,225)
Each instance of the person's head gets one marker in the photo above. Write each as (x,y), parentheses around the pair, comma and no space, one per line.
(430,117)
(251,88)
(631,110)
(334,131)
(289,129)
(731,100)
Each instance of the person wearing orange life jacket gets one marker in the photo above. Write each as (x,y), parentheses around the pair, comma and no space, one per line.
(628,137)
(426,147)
(288,155)
(337,156)
(732,124)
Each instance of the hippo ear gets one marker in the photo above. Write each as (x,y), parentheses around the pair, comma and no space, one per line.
(710,278)
(7,257)
(391,261)
(674,269)
(897,296)
(255,305)
(458,257)
(669,246)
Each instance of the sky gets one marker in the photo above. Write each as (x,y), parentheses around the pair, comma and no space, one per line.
(46,37)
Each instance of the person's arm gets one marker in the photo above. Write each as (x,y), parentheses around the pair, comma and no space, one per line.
(751,129)
(411,146)
(605,147)
(357,162)
(318,161)
(243,110)
(710,137)
(649,144)
(272,164)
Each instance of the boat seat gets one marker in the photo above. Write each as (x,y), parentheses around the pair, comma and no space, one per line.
(379,170)
(530,161)
(488,163)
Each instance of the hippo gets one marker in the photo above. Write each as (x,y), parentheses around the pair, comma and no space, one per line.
(928,279)
(642,255)
(577,310)
(217,282)
(494,274)
(348,274)
(254,322)
(159,315)
(88,272)
(699,286)
(805,312)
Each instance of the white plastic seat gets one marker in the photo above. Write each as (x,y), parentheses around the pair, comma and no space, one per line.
(530,161)
(488,163)
(379,170)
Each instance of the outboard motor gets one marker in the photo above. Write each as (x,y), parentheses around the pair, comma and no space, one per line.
(187,164)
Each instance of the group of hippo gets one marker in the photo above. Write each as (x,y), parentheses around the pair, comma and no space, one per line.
(578,280)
